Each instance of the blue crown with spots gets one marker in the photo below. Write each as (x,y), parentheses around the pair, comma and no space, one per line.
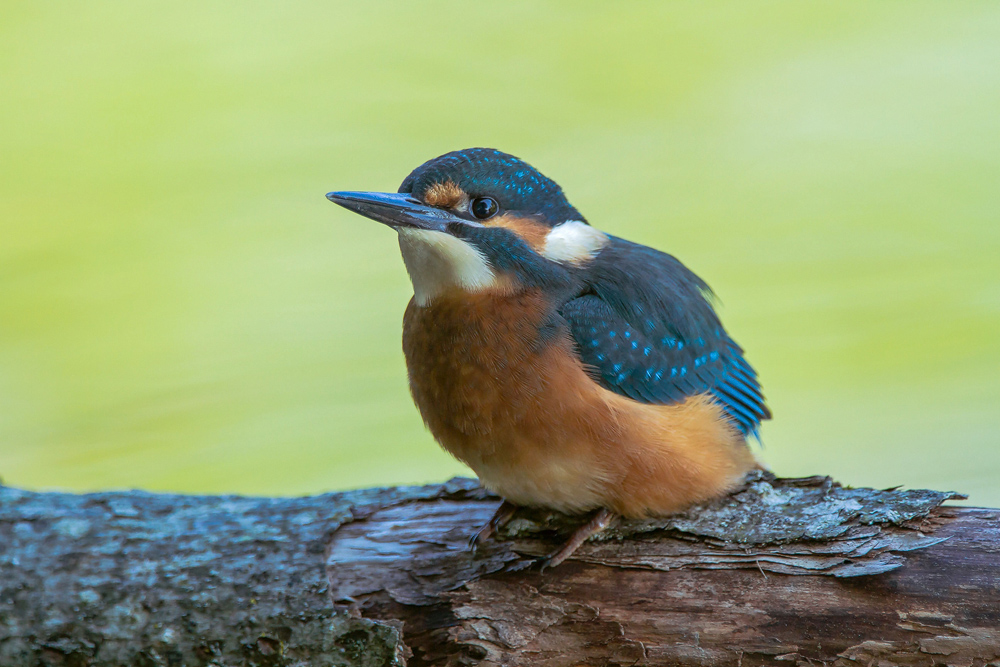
(487,172)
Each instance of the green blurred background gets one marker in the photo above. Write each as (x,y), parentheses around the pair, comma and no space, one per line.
(181,309)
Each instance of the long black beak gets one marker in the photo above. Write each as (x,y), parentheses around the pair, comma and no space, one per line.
(395,210)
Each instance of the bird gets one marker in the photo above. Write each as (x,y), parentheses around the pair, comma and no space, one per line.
(570,369)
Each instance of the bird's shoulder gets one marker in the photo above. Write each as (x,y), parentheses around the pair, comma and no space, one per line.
(650,292)
(645,326)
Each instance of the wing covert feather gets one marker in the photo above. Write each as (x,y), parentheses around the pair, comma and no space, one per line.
(647,330)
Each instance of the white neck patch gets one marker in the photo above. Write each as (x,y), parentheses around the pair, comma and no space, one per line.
(437,261)
(573,242)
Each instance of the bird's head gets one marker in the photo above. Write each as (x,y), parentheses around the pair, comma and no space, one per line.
(480,220)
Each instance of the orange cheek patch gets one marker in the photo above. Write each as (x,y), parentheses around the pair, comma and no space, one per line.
(445,195)
(533,233)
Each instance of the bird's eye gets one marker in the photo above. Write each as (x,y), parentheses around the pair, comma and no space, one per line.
(484,207)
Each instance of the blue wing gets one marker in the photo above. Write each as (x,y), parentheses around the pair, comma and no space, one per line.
(648,331)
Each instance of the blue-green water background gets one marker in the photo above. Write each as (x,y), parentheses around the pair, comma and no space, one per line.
(181,309)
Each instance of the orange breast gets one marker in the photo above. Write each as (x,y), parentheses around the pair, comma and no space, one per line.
(511,399)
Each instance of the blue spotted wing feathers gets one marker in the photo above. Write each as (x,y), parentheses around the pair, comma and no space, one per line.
(647,330)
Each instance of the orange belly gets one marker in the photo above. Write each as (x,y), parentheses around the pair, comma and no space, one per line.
(518,407)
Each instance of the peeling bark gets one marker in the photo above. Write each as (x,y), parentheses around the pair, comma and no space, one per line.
(783,572)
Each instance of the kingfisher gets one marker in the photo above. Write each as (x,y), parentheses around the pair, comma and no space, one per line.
(570,369)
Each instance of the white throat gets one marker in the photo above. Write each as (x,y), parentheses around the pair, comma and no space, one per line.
(437,262)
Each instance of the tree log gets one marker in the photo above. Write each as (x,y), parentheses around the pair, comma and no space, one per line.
(782,572)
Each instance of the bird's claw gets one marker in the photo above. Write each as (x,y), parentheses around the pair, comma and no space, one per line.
(499,519)
(481,535)
(546,563)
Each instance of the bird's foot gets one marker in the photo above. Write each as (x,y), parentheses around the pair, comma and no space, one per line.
(601,520)
(500,518)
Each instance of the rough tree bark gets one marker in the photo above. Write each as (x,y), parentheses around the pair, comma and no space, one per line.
(784,572)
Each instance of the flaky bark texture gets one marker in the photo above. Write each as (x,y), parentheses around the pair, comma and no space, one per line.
(785,571)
